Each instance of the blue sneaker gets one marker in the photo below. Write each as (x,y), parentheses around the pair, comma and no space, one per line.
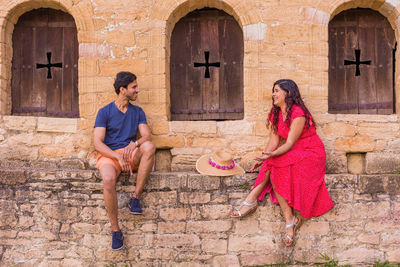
(134,206)
(117,240)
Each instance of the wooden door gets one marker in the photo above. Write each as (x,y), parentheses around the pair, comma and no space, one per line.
(45,65)
(361,63)
(207,67)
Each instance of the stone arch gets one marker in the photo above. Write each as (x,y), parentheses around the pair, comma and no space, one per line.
(81,12)
(170,12)
(325,11)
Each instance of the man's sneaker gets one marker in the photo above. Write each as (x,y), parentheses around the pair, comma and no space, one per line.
(117,240)
(134,206)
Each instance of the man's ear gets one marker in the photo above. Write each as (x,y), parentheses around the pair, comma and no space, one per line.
(120,89)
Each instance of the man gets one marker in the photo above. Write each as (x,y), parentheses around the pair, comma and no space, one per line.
(119,150)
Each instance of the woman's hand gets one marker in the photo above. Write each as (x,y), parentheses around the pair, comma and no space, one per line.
(264,156)
(255,166)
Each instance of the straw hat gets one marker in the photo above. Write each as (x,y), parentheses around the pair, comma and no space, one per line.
(218,163)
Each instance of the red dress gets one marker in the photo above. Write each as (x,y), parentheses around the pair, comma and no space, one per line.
(298,175)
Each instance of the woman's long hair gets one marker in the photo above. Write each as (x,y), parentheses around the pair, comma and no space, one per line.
(292,97)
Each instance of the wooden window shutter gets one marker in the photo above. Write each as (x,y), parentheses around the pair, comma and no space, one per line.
(361,63)
(45,65)
(207,67)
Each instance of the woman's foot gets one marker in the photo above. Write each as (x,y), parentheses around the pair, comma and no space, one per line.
(291,230)
(245,209)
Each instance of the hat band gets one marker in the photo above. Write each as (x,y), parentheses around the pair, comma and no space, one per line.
(221,167)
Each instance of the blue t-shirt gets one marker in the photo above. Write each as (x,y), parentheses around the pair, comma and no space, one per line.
(120,128)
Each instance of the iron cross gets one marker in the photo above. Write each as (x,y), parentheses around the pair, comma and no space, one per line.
(49,65)
(207,65)
(357,62)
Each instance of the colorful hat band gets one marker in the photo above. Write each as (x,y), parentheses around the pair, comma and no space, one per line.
(221,167)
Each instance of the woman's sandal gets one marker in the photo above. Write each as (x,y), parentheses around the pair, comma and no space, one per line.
(252,205)
(288,240)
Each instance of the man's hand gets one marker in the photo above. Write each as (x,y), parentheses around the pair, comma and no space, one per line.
(125,165)
(128,150)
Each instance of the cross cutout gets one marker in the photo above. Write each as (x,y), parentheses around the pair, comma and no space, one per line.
(207,65)
(49,65)
(357,62)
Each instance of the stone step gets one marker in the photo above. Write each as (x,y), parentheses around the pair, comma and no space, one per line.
(83,179)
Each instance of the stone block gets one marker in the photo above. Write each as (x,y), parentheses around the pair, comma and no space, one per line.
(251,243)
(20,123)
(193,127)
(162,181)
(71,164)
(160,127)
(175,214)
(167,142)
(171,227)
(163,160)
(126,39)
(358,255)
(354,144)
(214,212)
(356,163)
(209,226)
(382,162)
(336,162)
(158,253)
(173,240)
(57,125)
(203,182)
(194,197)
(152,199)
(339,129)
(264,259)
(379,130)
(236,128)
(109,68)
(214,246)
(226,260)
(12,176)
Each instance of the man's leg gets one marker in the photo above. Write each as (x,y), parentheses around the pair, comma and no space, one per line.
(144,158)
(109,175)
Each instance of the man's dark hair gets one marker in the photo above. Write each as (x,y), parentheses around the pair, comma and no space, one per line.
(123,79)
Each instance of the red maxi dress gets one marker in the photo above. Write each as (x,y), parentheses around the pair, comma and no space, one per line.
(298,175)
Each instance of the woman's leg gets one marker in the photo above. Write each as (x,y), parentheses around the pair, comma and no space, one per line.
(252,196)
(287,214)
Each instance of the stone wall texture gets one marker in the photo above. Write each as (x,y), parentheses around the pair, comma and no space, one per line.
(52,210)
(56,217)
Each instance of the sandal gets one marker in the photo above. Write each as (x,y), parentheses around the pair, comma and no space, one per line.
(252,205)
(288,240)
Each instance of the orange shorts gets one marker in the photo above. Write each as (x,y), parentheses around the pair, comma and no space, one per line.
(102,160)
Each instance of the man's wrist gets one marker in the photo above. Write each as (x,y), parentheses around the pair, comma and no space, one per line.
(137,143)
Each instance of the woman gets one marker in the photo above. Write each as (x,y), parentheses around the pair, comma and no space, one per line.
(294,172)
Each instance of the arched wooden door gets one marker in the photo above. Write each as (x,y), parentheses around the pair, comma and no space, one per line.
(45,65)
(361,63)
(207,67)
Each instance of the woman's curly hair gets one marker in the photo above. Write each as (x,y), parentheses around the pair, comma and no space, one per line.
(292,97)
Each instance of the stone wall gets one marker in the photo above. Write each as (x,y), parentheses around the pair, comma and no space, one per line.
(282,39)
(56,217)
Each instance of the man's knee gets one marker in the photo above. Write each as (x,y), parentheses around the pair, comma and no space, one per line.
(148,147)
(109,180)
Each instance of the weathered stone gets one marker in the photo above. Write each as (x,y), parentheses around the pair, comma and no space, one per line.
(203,182)
(356,163)
(163,160)
(12,177)
(354,144)
(20,123)
(71,164)
(227,260)
(382,162)
(336,162)
(58,125)
(166,142)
